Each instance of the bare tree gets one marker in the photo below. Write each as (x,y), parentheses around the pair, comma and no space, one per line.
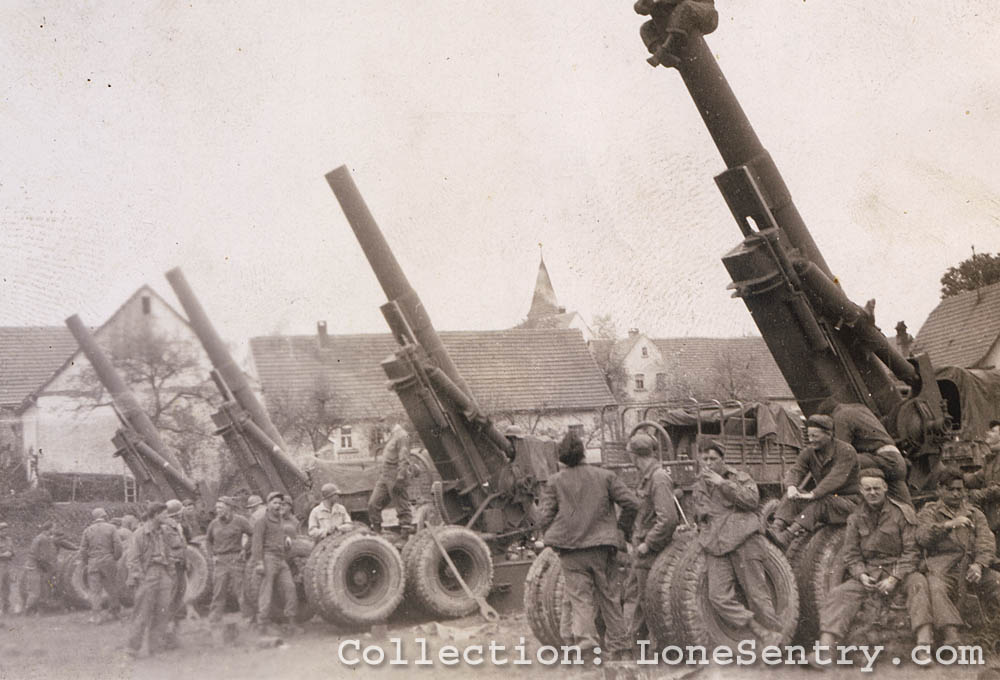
(609,354)
(310,418)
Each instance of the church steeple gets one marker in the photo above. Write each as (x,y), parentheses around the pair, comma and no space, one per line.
(544,301)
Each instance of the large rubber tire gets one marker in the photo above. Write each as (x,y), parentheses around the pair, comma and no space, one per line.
(553,590)
(198,543)
(73,583)
(362,580)
(198,581)
(694,617)
(818,570)
(656,598)
(312,577)
(534,596)
(434,587)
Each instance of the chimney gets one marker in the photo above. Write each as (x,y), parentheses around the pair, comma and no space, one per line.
(322,336)
(633,332)
(904,341)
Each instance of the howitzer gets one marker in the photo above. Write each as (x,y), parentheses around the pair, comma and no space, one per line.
(242,421)
(825,345)
(487,479)
(153,465)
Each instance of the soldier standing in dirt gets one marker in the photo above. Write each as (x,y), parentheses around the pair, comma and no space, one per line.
(6,571)
(880,552)
(654,527)
(391,483)
(269,556)
(224,545)
(328,515)
(40,565)
(833,467)
(178,551)
(959,549)
(152,567)
(100,548)
(729,532)
(577,506)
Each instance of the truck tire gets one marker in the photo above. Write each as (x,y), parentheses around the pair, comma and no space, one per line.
(818,569)
(312,577)
(199,544)
(362,580)
(696,622)
(656,598)
(73,584)
(534,596)
(434,587)
(198,583)
(555,612)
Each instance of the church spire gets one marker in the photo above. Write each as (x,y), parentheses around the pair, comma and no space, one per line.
(543,302)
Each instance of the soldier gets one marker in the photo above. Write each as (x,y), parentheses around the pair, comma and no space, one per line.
(256,508)
(224,545)
(880,552)
(391,483)
(833,466)
(958,548)
(328,515)
(40,565)
(100,548)
(577,506)
(858,426)
(6,571)
(269,555)
(654,527)
(129,523)
(151,567)
(984,484)
(726,502)
(178,551)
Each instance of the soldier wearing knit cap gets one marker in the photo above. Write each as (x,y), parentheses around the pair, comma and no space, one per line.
(832,466)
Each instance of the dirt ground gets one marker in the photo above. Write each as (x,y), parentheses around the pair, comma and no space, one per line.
(56,646)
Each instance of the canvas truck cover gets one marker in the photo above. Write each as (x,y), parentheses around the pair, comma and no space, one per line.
(973,397)
(762,420)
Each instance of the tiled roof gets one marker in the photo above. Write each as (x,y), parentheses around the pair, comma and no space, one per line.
(962,328)
(506,370)
(699,357)
(29,355)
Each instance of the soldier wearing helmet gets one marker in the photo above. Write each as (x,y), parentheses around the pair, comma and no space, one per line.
(391,484)
(326,517)
(654,527)
(100,548)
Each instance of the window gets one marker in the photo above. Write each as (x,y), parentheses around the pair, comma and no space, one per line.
(645,352)
(640,382)
(345,438)
(661,381)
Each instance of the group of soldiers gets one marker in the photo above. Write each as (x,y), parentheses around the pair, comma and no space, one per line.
(578,509)
(850,472)
(249,546)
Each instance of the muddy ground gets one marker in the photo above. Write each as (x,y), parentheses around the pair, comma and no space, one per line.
(64,645)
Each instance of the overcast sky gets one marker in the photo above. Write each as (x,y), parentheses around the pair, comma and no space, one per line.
(135,137)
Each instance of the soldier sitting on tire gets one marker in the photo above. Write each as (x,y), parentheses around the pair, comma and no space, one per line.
(880,552)
(958,549)
(833,466)
(726,501)
(654,527)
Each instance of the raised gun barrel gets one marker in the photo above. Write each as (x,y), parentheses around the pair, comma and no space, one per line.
(127,405)
(778,270)
(467,449)
(231,380)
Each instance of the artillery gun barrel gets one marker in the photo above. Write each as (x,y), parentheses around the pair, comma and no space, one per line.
(390,275)
(220,356)
(123,397)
